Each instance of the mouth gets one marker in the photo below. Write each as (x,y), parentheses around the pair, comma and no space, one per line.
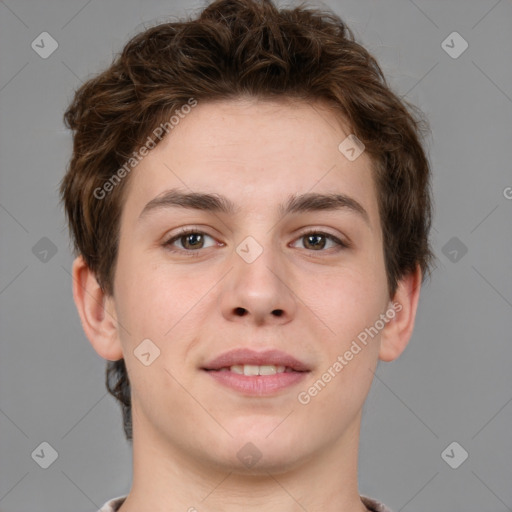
(242,360)
(254,369)
(256,373)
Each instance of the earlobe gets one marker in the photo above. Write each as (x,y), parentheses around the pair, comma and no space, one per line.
(96,311)
(397,333)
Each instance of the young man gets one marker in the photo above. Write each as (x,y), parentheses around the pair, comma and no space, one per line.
(250,207)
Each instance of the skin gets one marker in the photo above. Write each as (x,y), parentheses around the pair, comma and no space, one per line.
(187,427)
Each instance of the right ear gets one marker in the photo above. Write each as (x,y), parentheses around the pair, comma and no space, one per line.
(97,312)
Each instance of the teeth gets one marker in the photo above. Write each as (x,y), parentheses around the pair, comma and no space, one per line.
(252,369)
(268,369)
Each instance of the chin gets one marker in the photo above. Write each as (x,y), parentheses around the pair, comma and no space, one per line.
(250,460)
(261,450)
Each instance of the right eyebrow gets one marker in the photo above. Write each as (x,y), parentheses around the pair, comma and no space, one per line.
(191,200)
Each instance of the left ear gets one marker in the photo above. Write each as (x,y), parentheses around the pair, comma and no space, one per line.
(397,332)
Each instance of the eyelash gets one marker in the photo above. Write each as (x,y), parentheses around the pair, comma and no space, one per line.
(195,253)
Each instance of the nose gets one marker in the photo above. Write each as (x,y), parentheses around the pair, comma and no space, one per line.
(259,292)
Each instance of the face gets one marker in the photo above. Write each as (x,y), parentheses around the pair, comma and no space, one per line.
(305,279)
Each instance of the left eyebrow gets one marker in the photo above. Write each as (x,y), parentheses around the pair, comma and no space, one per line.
(309,202)
(313,202)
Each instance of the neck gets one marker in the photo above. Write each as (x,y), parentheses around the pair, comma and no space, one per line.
(167,479)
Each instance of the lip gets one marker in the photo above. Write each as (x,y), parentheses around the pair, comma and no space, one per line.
(259,385)
(241,356)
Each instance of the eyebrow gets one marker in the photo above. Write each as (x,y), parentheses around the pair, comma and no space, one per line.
(308,202)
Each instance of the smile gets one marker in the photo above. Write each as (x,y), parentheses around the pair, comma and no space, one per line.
(252,369)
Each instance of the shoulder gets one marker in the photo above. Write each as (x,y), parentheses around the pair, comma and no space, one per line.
(374,505)
(113,504)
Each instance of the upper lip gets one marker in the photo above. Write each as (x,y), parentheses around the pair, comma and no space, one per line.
(242,356)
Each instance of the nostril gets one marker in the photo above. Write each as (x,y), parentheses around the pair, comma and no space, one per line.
(277,312)
(240,311)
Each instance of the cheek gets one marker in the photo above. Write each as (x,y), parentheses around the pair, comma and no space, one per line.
(155,299)
(350,301)
(142,296)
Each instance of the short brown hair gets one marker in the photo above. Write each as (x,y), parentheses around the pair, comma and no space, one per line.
(237,48)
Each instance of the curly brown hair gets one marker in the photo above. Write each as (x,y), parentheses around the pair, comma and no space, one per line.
(236,48)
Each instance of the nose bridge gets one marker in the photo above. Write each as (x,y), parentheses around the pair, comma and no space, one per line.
(258,263)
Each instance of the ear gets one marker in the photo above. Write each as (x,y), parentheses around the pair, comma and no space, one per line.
(97,312)
(397,332)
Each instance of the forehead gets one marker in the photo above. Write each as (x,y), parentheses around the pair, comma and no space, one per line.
(255,152)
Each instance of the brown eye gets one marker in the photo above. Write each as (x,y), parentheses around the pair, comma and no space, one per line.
(189,241)
(314,241)
(192,241)
(317,241)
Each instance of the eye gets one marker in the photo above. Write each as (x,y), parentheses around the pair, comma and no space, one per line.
(317,240)
(190,241)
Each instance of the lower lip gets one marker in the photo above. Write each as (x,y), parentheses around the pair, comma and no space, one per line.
(257,385)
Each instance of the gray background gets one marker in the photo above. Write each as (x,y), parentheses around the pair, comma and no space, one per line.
(453,382)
